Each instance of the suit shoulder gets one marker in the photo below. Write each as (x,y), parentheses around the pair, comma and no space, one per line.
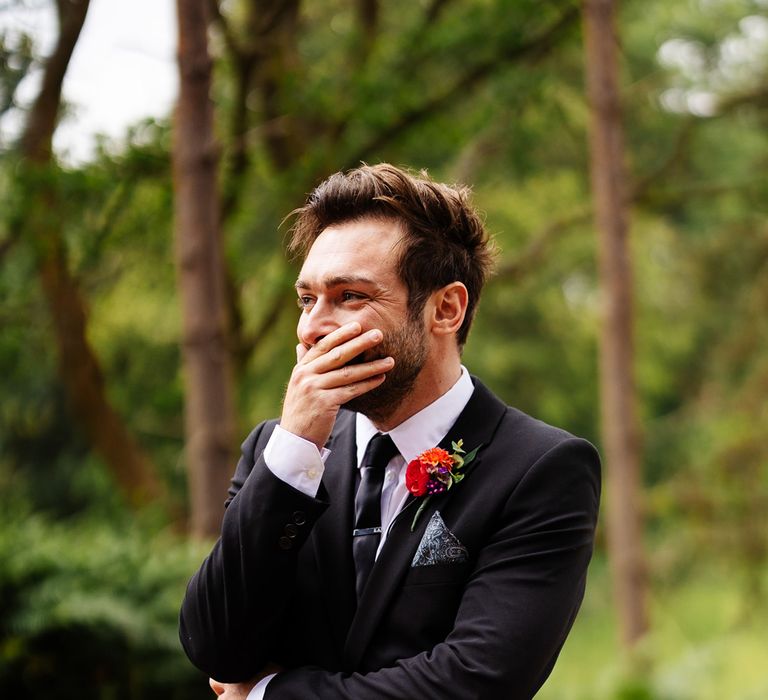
(534,438)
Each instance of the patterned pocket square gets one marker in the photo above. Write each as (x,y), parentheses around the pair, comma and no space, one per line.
(439,545)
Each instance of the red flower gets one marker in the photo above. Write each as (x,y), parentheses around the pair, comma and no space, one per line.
(417,477)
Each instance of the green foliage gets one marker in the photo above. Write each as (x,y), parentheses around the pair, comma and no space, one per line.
(90,611)
(115,217)
(701,647)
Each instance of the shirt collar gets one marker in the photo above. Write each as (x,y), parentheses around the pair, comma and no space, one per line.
(424,429)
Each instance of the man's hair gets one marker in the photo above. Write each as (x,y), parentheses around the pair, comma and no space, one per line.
(444,238)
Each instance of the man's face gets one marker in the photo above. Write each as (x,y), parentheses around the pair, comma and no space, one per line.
(349,275)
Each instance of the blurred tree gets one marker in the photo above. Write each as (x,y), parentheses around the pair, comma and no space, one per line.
(485,92)
(209,405)
(79,367)
(618,395)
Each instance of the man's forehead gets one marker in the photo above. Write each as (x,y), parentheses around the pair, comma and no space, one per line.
(378,236)
(362,252)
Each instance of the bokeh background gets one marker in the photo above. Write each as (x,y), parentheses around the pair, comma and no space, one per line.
(147,320)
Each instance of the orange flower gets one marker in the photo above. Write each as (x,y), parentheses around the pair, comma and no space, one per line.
(436,457)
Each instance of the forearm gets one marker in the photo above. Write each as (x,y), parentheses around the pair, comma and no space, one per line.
(234,603)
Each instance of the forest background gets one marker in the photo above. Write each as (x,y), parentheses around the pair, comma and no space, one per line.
(125,395)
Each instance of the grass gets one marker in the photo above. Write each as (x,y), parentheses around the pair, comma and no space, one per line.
(704,644)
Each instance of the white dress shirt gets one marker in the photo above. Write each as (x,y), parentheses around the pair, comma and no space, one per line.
(300,464)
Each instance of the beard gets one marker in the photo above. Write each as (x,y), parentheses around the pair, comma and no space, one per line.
(407,344)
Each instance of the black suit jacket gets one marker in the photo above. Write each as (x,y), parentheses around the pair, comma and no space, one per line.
(279,584)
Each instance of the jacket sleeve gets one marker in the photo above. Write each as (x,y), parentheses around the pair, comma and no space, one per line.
(516,609)
(236,599)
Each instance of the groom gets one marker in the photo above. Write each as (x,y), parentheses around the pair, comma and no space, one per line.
(355,561)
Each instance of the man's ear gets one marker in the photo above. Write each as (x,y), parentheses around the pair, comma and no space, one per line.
(449,306)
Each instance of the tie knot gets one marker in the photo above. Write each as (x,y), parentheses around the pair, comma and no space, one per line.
(379,451)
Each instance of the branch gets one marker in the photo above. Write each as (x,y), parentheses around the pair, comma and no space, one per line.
(23,53)
(515,268)
(433,12)
(238,157)
(284,130)
(230,41)
(250,343)
(757,98)
(368,19)
(639,189)
(10,240)
(106,225)
(432,15)
(271,21)
(38,134)
(704,189)
(532,51)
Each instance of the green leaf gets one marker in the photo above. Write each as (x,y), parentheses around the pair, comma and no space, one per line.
(471,455)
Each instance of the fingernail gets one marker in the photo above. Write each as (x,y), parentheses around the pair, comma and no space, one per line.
(376,335)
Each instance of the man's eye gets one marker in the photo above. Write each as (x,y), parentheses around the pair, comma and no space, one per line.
(305,302)
(351,296)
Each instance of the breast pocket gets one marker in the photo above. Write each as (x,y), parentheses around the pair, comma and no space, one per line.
(424,610)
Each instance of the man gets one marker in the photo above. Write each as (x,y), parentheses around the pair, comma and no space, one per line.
(335,575)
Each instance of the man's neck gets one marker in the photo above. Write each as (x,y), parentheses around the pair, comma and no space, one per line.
(434,380)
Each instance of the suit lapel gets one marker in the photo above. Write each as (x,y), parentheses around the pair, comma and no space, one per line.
(475,425)
(332,535)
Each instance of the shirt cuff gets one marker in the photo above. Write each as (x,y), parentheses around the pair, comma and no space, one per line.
(295,461)
(257,692)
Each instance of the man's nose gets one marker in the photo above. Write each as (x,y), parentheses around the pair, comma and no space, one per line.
(316,323)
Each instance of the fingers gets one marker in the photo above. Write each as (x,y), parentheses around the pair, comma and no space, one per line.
(326,365)
(338,350)
(333,368)
(351,376)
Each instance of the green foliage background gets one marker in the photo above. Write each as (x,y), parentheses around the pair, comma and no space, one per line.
(89,591)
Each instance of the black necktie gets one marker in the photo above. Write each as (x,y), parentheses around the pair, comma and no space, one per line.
(367,533)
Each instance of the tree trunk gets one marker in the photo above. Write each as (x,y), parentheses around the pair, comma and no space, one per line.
(78,366)
(209,411)
(617,387)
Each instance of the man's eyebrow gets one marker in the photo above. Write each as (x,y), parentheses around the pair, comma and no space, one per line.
(336,281)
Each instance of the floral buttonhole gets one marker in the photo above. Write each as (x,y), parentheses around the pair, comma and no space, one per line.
(435,471)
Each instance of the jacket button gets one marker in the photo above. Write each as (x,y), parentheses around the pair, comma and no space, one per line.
(285,543)
(291,530)
(299,518)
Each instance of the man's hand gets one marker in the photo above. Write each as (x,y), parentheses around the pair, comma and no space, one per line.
(239,691)
(231,691)
(322,381)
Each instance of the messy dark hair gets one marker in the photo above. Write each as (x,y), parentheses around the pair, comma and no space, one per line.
(444,238)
